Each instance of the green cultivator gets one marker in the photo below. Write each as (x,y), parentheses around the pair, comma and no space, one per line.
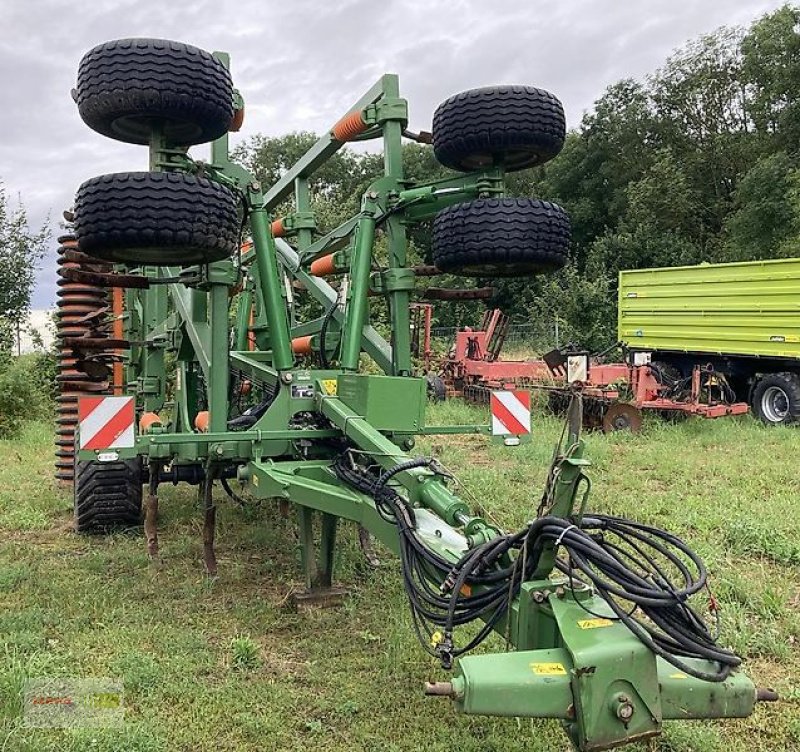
(594,609)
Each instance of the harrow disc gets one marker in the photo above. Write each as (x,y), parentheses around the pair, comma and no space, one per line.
(622,417)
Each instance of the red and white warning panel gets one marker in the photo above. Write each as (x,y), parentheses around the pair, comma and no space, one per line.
(511,413)
(106,422)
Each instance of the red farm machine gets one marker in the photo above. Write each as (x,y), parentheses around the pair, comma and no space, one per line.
(614,394)
(226,380)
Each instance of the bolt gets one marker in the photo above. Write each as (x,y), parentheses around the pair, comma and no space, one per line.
(255,186)
(219,450)
(538,596)
(624,708)
(286,377)
(560,592)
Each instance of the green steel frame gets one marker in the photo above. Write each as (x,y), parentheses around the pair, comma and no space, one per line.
(595,675)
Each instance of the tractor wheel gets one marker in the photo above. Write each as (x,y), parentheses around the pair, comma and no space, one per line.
(129,88)
(515,126)
(504,237)
(108,495)
(436,388)
(776,398)
(156,218)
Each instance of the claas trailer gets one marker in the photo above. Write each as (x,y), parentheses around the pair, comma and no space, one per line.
(742,319)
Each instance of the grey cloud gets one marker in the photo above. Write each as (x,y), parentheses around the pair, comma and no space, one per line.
(301,63)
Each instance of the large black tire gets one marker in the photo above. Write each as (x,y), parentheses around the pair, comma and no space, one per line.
(108,495)
(129,86)
(516,126)
(776,398)
(508,237)
(156,218)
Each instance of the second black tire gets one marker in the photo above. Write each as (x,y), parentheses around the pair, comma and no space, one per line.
(156,218)
(776,398)
(505,237)
(516,126)
(129,88)
(108,495)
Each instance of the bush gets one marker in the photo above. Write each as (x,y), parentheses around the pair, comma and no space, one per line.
(27,384)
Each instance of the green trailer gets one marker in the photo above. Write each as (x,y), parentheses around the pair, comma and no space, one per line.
(741,318)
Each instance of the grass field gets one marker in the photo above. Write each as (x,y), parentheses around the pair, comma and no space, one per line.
(227,665)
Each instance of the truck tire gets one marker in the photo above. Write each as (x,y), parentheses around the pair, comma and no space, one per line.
(108,495)
(127,87)
(516,126)
(501,237)
(156,218)
(776,398)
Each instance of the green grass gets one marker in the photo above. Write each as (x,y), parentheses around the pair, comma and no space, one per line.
(228,665)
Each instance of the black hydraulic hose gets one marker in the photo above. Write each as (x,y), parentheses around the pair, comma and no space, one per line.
(627,563)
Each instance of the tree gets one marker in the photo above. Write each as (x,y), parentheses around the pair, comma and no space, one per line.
(766,217)
(21,250)
(771,68)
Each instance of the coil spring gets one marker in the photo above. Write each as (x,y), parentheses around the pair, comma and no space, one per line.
(82,312)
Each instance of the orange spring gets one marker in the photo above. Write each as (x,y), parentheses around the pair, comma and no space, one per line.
(201,421)
(324,265)
(349,127)
(301,346)
(147,421)
(278,228)
(237,120)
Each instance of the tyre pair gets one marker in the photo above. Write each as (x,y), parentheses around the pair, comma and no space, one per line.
(129,88)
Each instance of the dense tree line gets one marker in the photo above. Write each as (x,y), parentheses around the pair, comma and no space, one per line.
(700,162)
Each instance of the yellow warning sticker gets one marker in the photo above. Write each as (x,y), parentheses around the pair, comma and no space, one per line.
(548,669)
(678,676)
(255,480)
(594,623)
(329,386)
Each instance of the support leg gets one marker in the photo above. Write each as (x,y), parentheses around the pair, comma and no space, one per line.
(327,549)
(318,571)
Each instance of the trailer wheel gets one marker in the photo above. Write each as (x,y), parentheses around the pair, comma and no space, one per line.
(156,217)
(776,398)
(108,495)
(516,126)
(129,88)
(501,237)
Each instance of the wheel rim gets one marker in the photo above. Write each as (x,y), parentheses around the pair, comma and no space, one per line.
(775,404)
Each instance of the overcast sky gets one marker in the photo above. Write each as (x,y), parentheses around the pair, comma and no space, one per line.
(300,63)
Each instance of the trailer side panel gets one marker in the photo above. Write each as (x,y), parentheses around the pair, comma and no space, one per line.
(744,308)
